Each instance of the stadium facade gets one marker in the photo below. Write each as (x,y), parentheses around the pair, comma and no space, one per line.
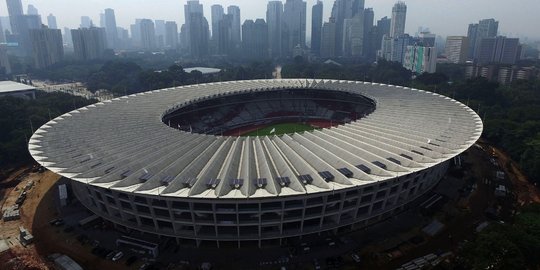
(159,162)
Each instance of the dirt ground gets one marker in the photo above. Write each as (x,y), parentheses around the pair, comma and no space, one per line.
(525,191)
(25,257)
(36,212)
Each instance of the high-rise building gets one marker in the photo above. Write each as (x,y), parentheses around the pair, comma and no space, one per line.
(294,25)
(32,10)
(110,28)
(191,8)
(427,39)
(471,36)
(274,19)
(89,43)
(420,59)
(328,41)
(486,28)
(86,22)
(383,28)
(148,34)
(68,40)
(399,47)
(369,31)
(456,49)
(184,39)
(255,39)
(224,41)
(14,7)
(2,33)
(25,24)
(500,50)
(171,35)
(316,27)
(160,33)
(5,65)
(198,35)
(6,25)
(342,10)
(353,35)
(399,15)
(236,37)
(102,20)
(394,48)
(386,48)
(51,22)
(15,10)
(135,30)
(123,38)
(217,15)
(47,45)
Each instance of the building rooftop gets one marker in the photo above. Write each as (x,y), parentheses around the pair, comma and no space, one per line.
(11,86)
(203,70)
(123,144)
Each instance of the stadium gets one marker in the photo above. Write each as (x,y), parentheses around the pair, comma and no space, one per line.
(255,163)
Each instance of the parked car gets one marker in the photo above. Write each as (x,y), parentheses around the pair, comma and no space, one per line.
(118,256)
(355,257)
(110,255)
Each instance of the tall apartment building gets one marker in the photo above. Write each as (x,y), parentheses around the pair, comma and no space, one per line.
(328,41)
(236,35)
(193,9)
(368,47)
(294,23)
(5,65)
(15,10)
(171,35)
(500,49)
(217,13)
(347,14)
(456,49)
(399,16)
(420,59)
(198,35)
(255,39)
(316,27)
(51,22)
(148,34)
(394,48)
(89,43)
(486,28)
(274,19)
(47,47)
(225,43)
(111,28)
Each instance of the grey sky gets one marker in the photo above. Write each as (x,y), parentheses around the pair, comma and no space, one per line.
(443,17)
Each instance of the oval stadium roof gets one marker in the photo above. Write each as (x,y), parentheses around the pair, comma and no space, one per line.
(123,144)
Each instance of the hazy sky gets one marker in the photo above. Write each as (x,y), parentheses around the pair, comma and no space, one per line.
(442,17)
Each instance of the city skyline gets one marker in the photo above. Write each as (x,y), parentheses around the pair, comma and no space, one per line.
(172,10)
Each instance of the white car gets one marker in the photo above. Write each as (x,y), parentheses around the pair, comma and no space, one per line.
(118,256)
(355,257)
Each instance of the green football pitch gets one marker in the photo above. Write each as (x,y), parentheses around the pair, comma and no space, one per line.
(279,129)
